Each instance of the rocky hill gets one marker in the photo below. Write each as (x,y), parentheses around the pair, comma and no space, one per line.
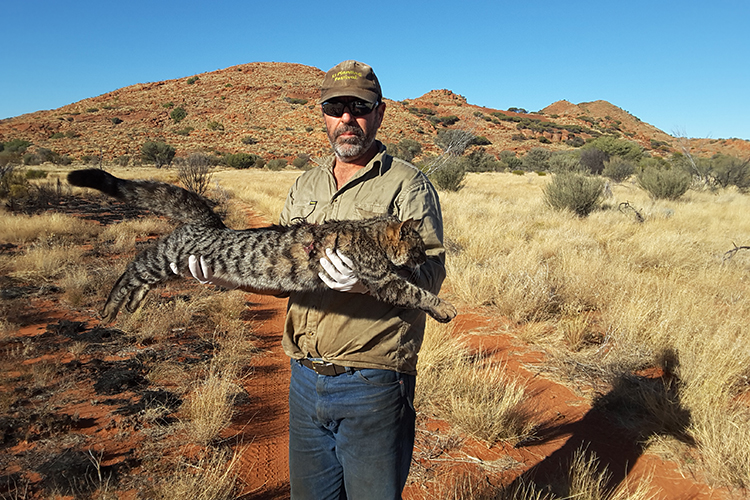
(270,109)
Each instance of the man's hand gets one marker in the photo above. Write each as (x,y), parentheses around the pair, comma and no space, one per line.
(203,273)
(340,276)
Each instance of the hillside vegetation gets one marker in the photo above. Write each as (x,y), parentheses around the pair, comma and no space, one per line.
(270,110)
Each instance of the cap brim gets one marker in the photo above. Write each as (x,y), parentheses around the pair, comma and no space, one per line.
(363,94)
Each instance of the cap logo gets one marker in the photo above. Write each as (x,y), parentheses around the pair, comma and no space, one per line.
(346,75)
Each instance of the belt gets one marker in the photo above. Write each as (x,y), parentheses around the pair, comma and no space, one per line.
(325,368)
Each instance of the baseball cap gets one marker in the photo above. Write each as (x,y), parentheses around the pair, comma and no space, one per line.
(351,79)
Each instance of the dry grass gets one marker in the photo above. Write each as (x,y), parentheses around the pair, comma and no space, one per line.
(585,480)
(157,318)
(122,237)
(470,392)
(21,229)
(263,190)
(210,405)
(211,478)
(607,295)
(45,260)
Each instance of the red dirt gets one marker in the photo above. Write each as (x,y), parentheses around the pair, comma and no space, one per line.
(82,412)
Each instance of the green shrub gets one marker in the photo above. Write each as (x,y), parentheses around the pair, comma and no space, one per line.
(562,162)
(593,160)
(295,100)
(481,140)
(450,176)
(192,80)
(158,153)
(36,174)
(406,149)
(536,159)
(618,169)
(664,183)
(115,120)
(249,140)
(178,114)
(574,141)
(57,135)
(730,171)
(214,125)
(184,131)
(13,184)
(31,159)
(444,120)
(301,162)
(613,146)
(92,110)
(518,172)
(510,161)
(480,160)
(276,164)
(16,146)
(579,193)
(242,161)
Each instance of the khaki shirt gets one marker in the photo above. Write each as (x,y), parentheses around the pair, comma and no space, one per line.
(353,329)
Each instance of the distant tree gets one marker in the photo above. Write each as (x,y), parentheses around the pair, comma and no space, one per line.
(158,153)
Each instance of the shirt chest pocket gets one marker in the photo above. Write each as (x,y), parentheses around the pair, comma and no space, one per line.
(304,211)
(369,210)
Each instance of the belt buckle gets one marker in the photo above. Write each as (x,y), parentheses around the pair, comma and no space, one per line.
(319,364)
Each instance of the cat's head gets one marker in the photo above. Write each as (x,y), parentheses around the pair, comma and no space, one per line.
(404,245)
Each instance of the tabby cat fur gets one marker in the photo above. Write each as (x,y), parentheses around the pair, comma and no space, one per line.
(285,258)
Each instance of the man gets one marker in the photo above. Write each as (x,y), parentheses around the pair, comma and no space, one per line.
(351,414)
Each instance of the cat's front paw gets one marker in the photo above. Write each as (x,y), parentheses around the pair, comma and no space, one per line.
(443,312)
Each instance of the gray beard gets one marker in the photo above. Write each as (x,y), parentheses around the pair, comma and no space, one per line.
(351,148)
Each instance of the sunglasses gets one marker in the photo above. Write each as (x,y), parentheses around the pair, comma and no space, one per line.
(356,108)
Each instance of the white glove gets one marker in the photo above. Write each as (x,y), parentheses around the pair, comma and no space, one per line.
(340,276)
(203,273)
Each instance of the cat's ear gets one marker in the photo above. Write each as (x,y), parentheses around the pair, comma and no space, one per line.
(409,225)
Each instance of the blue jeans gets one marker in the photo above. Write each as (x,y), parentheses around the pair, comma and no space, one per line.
(350,436)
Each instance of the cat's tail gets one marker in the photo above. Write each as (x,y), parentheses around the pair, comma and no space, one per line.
(160,197)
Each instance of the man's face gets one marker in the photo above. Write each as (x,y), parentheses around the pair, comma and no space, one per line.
(352,136)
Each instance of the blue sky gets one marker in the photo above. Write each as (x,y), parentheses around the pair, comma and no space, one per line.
(679,65)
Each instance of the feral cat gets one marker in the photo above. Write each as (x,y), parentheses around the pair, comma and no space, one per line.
(283,258)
